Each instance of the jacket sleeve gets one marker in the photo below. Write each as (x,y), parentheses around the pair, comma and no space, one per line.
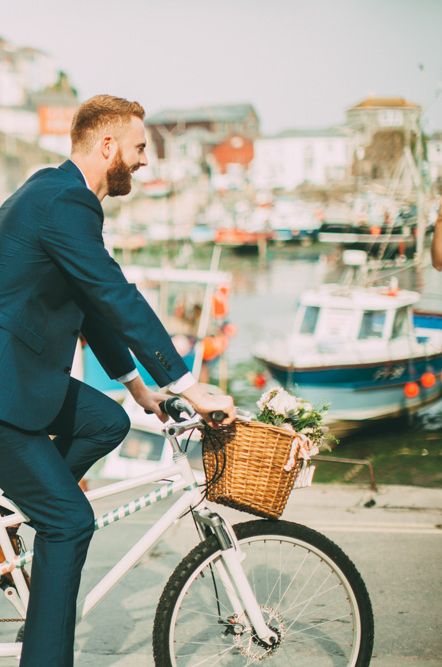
(70,233)
(110,350)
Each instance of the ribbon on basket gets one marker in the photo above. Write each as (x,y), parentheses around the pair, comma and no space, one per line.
(302,448)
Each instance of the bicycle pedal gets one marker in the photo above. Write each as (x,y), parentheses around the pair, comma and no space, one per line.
(19,547)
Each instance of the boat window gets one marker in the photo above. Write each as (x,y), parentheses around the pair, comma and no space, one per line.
(308,325)
(337,322)
(401,323)
(372,325)
(142,445)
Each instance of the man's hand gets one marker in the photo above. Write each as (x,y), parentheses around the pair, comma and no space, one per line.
(205,404)
(148,399)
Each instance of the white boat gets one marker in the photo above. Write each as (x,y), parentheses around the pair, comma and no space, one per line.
(362,350)
(294,220)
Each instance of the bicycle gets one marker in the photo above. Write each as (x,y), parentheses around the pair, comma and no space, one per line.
(260,590)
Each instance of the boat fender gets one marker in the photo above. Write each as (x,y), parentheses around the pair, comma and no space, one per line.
(411,389)
(428,380)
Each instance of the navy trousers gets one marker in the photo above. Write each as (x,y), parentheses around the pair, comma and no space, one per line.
(41,475)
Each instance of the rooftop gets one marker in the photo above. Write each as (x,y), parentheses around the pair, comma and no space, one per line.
(220,113)
(337,131)
(385,102)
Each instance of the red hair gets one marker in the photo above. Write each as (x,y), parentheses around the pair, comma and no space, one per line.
(98,112)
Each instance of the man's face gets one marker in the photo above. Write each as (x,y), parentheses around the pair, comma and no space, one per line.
(131,156)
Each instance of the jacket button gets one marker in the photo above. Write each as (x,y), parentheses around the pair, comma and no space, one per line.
(76,332)
(67,370)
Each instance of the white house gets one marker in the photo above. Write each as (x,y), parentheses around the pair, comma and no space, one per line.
(316,156)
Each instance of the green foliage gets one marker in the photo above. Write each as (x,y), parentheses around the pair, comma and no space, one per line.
(278,407)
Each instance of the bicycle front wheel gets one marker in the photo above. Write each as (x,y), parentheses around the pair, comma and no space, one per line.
(309,592)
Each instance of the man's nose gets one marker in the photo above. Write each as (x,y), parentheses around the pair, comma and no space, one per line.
(144,161)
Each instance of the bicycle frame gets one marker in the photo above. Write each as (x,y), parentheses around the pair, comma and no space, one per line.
(229,568)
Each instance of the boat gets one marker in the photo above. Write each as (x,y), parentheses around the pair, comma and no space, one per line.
(241,238)
(367,351)
(158,286)
(294,221)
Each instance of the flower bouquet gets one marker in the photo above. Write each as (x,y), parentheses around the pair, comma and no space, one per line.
(255,464)
(280,408)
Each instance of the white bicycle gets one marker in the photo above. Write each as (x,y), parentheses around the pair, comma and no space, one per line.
(262,590)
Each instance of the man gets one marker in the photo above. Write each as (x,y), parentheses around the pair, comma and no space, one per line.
(436,244)
(56,279)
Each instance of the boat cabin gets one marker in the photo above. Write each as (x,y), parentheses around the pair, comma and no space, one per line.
(338,313)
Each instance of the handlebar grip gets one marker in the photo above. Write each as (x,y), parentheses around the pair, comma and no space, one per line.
(174,407)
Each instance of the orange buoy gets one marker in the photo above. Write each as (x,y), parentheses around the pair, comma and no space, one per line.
(214,346)
(428,380)
(411,389)
(260,380)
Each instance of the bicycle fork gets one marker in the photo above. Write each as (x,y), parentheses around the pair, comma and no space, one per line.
(232,575)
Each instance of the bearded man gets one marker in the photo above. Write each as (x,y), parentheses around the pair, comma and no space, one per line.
(57,280)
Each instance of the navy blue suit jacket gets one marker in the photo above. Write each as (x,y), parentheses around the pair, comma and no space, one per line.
(57,279)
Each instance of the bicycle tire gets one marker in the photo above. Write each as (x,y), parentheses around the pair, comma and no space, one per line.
(189,636)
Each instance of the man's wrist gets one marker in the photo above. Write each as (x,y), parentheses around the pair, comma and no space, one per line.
(137,387)
(182,384)
(127,377)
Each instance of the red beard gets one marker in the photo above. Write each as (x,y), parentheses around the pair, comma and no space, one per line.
(119,177)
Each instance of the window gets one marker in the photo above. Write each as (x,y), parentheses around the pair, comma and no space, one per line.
(400,324)
(309,320)
(372,325)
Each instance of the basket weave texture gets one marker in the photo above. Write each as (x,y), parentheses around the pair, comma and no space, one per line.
(253,456)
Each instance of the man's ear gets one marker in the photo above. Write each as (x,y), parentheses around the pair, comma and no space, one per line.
(109,147)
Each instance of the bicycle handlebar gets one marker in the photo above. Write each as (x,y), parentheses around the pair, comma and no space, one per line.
(175,406)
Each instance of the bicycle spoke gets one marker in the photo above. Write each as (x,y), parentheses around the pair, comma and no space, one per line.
(221,655)
(314,596)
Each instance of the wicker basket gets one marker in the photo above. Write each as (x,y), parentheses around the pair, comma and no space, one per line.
(251,457)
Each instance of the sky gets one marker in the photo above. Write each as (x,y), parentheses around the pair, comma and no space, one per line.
(301,63)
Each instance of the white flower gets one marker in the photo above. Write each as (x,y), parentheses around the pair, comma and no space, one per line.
(262,403)
(282,403)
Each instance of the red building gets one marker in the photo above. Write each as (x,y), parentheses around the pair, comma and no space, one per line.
(235,150)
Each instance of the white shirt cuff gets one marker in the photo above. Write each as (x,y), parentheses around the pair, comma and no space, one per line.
(129,376)
(184,382)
